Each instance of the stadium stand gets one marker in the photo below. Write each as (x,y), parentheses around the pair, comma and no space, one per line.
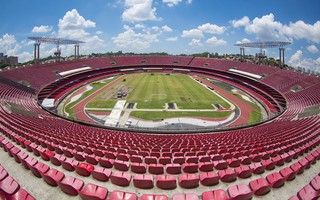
(94,163)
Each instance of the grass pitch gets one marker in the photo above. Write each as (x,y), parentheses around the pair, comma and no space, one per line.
(153,91)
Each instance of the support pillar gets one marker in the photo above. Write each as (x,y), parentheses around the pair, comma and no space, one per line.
(76,51)
(242,54)
(281,57)
(36,52)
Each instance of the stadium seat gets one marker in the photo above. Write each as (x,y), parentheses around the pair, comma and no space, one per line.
(101,174)
(241,191)
(219,194)
(173,168)
(93,192)
(275,179)
(70,185)
(227,175)
(52,177)
(106,162)
(120,178)
(166,182)
(21,194)
(188,180)
(3,173)
(190,167)
(119,195)
(9,185)
(154,197)
(143,181)
(139,168)
(260,186)
(209,178)
(39,168)
(155,168)
(243,171)
(189,196)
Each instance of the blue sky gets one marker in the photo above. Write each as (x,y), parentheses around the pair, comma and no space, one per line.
(173,26)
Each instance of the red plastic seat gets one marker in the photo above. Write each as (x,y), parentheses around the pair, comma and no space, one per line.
(143,181)
(190,167)
(106,162)
(209,178)
(243,171)
(220,164)
(258,168)
(155,169)
(206,166)
(190,196)
(227,175)
(151,160)
(21,194)
(101,173)
(192,159)
(241,192)
(3,173)
(120,178)
(164,160)
(20,156)
(121,165)
(69,164)
(29,161)
(296,167)
(275,179)
(260,186)
(188,180)
(9,185)
(139,168)
(173,168)
(52,177)
(93,192)
(154,197)
(315,183)
(288,173)
(70,185)
(179,160)
(120,195)
(269,164)
(56,159)
(92,159)
(166,182)
(84,169)
(13,151)
(39,169)
(308,192)
(219,194)
(136,159)
(80,156)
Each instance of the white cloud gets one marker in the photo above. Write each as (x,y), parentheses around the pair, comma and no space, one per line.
(172,39)
(312,49)
(212,28)
(301,30)
(171,3)
(295,57)
(193,33)
(73,25)
(213,41)
(267,28)
(99,32)
(139,26)
(166,28)
(9,45)
(133,40)
(189,1)
(195,43)
(41,29)
(297,61)
(244,40)
(241,22)
(139,10)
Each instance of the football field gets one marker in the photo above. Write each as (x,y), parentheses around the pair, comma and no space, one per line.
(155,90)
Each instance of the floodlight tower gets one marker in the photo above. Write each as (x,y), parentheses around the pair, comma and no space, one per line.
(57,42)
(263,45)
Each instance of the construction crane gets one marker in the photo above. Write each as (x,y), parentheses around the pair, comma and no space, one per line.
(57,42)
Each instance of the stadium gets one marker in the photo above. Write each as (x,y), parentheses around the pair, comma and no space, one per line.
(48,155)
